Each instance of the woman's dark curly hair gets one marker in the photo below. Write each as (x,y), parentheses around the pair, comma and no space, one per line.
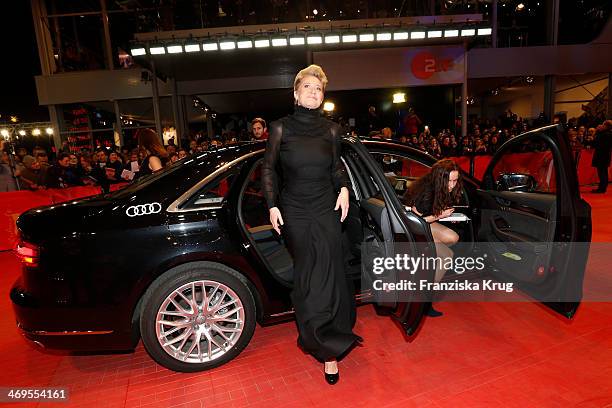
(438,179)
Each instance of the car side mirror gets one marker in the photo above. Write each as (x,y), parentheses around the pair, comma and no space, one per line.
(516,182)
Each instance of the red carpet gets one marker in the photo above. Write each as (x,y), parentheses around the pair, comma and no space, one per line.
(476,355)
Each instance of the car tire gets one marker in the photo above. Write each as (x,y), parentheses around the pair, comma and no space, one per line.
(185,336)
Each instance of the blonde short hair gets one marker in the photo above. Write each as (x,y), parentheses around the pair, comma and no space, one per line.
(312,70)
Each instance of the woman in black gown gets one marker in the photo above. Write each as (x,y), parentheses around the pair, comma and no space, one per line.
(307,148)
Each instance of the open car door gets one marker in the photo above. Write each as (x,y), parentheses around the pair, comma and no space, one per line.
(534,227)
(376,224)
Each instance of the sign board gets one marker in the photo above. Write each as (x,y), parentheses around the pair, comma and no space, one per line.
(80,124)
(392,67)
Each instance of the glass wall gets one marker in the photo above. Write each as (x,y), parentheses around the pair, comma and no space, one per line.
(78,42)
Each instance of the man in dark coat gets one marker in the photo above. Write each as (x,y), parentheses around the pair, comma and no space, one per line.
(601,157)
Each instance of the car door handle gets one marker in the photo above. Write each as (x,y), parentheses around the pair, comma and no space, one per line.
(503,201)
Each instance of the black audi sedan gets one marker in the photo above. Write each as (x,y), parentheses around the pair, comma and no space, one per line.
(186,258)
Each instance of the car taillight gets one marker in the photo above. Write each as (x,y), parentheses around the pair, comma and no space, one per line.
(27,253)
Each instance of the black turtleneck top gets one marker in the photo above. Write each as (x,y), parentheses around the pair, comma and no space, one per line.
(307,147)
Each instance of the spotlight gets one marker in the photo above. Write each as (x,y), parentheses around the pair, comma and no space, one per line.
(399,97)
(49,131)
(417,35)
(4,133)
(384,36)
(366,37)
(520,7)
(192,46)
(279,41)
(262,42)
(314,39)
(434,34)
(174,48)
(210,45)
(349,38)
(297,39)
(484,31)
(157,49)
(332,38)
(14,119)
(451,33)
(36,132)
(315,12)
(244,43)
(401,35)
(227,44)
(469,32)
(138,50)
(329,106)
(529,79)
(22,132)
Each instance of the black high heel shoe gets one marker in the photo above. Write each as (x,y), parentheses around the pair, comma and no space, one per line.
(332,379)
(431,312)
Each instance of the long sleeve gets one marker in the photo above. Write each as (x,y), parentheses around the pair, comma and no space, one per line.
(338,172)
(269,175)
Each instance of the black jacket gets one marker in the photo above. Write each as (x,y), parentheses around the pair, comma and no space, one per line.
(602,145)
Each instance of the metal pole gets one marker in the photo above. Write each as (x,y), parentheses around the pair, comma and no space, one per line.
(58,39)
(464,95)
(549,97)
(118,127)
(183,120)
(107,39)
(494,24)
(54,115)
(158,126)
(175,113)
(552,13)
(43,38)
(209,126)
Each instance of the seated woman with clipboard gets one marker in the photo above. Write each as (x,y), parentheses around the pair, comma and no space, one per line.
(432,197)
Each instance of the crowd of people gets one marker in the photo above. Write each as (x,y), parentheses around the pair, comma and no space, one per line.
(484,136)
(105,165)
(38,169)
(35,170)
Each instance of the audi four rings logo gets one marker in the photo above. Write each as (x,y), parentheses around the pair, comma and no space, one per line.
(143,209)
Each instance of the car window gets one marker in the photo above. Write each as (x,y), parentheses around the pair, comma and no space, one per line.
(528,167)
(213,194)
(400,171)
(144,181)
(253,204)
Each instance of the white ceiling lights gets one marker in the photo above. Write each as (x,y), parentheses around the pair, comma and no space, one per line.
(368,36)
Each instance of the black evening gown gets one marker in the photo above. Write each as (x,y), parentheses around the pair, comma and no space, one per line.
(306,146)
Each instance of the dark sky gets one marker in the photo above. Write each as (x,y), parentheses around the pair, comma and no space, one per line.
(20,64)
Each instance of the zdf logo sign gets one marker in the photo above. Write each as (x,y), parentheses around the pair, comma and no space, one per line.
(424,64)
